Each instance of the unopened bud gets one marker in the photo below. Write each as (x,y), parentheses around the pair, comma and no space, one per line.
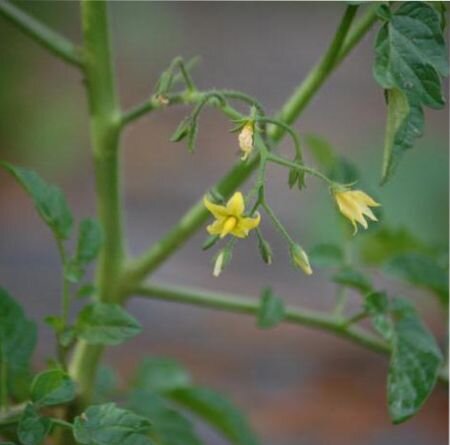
(246,140)
(300,259)
(264,249)
(221,261)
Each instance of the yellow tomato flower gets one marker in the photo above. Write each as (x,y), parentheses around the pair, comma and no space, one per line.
(230,219)
(355,205)
(246,140)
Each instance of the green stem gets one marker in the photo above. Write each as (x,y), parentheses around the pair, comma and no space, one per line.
(197,215)
(105,131)
(44,36)
(61,423)
(245,305)
(290,131)
(286,163)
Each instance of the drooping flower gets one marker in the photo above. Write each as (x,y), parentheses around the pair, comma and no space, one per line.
(230,219)
(246,140)
(300,259)
(355,205)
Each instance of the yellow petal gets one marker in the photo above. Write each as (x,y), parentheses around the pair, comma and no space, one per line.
(250,223)
(365,198)
(369,214)
(216,227)
(218,211)
(236,206)
(238,232)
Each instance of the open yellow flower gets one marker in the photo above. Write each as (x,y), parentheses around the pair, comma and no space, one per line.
(355,205)
(246,140)
(230,219)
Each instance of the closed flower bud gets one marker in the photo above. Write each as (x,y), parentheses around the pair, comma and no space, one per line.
(246,140)
(300,259)
(221,261)
(264,249)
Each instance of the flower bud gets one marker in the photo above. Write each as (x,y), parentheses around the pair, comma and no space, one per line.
(300,259)
(221,261)
(246,140)
(264,249)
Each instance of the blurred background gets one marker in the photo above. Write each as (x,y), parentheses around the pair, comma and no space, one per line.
(297,386)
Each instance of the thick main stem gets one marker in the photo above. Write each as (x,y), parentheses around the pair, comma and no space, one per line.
(105,132)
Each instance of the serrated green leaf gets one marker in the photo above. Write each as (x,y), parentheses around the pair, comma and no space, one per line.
(421,271)
(52,387)
(169,427)
(376,304)
(217,412)
(271,310)
(32,428)
(106,324)
(410,58)
(326,255)
(17,335)
(48,199)
(415,363)
(108,425)
(90,240)
(160,374)
(410,53)
(350,277)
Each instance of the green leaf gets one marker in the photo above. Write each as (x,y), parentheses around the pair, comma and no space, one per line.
(410,58)
(32,428)
(420,270)
(218,412)
(90,240)
(410,53)
(376,304)
(169,427)
(271,310)
(161,374)
(108,425)
(106,324)
(326,255)
(405,123)
(52,387)
(353,278)
(17,335)
(414,365)
(48,199)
